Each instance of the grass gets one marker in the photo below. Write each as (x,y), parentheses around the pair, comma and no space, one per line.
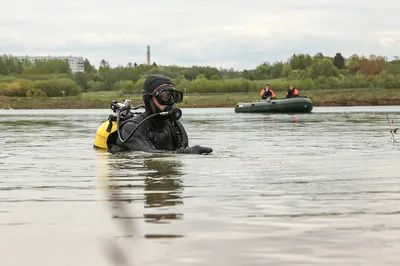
(350,97)
(100,94)
(356,97)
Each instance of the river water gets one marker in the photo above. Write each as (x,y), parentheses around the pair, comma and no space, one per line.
(279,189)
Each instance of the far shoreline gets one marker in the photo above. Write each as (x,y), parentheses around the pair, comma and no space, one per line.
(102,100)
(93,104)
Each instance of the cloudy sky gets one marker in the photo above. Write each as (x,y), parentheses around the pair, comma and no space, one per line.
(231,33)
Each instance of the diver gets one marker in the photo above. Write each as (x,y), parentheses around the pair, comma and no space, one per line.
(159,133)
(267,93)
(292,92)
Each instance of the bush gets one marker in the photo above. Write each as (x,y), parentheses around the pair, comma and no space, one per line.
(58,87)
(387,81)
(35,92)
(94,86)
(124,86)
(16,90)
(7,78)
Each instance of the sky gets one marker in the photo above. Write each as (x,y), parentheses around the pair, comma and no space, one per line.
(239,34)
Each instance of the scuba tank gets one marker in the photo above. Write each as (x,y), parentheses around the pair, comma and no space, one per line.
(107,132)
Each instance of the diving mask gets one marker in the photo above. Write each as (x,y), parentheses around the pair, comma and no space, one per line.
(168,95)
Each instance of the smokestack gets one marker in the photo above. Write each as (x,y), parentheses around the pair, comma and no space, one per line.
(148,54)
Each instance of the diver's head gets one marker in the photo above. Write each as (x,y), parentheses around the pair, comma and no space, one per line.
(159,94)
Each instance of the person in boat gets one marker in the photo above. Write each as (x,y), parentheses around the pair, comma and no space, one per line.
(161,133)
(267,93)
(292,92)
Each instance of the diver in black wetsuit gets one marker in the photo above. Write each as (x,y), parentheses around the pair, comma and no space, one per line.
(159,133)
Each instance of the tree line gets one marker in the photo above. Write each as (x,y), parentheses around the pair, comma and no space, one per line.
(53,78)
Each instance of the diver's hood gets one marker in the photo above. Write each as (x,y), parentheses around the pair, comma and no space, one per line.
(150,84)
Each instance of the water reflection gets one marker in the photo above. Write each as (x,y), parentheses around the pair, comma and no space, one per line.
(125,177)
(267,122)
(296,120)
(163,187)
(156,177)
(264,120)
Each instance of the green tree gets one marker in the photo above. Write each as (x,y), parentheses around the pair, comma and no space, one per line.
(286,70)
(104,65)
(300,61)
(3,67)
(338,61)
(87,67)
(124,86)
(82,78)
(353,64)
(324,68)
(55,66)
(276,70)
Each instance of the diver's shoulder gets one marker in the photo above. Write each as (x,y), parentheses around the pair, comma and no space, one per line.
(137,118)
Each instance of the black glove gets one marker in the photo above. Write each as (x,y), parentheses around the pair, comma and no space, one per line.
(195,150)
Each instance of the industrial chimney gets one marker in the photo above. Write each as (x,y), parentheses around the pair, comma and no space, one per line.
(148,54)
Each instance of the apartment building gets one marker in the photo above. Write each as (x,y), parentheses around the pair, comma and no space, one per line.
(75,63)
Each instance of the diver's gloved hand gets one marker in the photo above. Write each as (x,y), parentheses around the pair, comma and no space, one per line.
(195,150)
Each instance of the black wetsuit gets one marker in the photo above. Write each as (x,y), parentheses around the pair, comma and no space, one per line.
(158,134)
(154,134)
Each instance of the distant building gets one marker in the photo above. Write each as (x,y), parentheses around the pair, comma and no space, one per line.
(75,63)
(148,55)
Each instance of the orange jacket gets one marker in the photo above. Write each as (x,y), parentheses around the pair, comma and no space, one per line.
(294,93)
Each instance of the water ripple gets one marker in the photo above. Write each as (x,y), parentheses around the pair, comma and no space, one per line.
(279,189)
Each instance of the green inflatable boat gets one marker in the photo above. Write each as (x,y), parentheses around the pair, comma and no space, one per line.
(300,104)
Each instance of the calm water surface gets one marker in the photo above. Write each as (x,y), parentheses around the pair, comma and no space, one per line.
(279,189)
